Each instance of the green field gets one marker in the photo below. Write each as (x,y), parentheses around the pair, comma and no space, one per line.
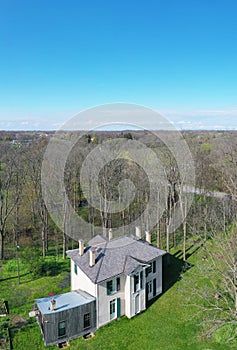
(170,323)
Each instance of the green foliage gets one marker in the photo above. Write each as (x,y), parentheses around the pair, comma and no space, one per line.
(94,139)
(205,148)
(37,266)
(4,333)
(4,323)
(11,266)
(128,135)
(226,333)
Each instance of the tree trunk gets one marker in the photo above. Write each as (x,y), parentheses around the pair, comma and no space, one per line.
(1,245)
(64,245)
(205,219)
(184,238)
(158,235)
(43,242)
(174,233)
(184,229)
(167,237)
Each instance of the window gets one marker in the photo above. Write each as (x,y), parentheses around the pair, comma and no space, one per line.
(154,267)
(148,270)
(118,284)
(141,279)
(149,294)
(61,329)
(109,287)
(112,307)
(136,282)
(154,287)
(113,286)
(75,269)
(87,320)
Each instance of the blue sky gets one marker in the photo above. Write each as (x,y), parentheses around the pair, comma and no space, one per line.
(60,57)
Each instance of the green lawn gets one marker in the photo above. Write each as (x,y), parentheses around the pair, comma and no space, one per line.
(168,324)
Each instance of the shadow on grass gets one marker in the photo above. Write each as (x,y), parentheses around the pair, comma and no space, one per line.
(172,270)
(190,250)
(39,269)
(14,277)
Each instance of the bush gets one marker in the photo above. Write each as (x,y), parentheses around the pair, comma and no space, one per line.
(37,267)
(41,267)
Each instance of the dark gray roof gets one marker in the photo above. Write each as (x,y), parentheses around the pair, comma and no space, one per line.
(131,264)
(120,255)
(97,240)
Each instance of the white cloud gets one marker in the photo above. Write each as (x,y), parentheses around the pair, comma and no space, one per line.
(181,119)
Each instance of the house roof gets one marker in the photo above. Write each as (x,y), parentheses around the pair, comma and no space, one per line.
(97,240)
(64,301)
(114,257)
(131,264)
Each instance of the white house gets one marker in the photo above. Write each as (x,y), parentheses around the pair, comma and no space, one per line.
(109,278)
(123,274)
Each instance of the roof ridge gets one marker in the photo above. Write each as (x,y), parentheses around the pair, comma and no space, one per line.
(125,262)
(123,236)
(102,258)
(138,260)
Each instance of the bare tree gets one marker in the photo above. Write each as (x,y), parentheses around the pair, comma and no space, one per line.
(217,298)
(34,160)
(9,192)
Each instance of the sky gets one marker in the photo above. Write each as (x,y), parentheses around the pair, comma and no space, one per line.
(60,57)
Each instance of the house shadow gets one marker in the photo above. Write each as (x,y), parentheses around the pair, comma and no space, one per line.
(172,270)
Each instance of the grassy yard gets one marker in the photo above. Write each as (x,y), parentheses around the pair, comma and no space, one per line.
(170,323)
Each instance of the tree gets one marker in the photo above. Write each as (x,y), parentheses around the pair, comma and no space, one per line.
(34,158)
(217,297)
(9,191)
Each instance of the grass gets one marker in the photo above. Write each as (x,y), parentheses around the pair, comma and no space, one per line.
(170,323)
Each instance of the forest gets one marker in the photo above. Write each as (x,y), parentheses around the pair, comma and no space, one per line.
(28,231)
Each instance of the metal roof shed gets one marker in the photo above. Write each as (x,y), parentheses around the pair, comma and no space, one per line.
(66,316)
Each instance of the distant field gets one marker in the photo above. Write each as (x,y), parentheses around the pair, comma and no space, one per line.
(169,324)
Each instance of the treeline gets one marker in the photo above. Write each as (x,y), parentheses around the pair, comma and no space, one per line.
(24,219)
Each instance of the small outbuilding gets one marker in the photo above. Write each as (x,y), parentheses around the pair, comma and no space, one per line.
(66,316)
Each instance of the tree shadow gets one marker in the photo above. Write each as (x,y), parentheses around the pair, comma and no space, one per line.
(192,250)
(14,277)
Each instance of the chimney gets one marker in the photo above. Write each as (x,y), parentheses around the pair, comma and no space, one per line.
(92,257)
(110,234)
(53,305)
(81,247)
(138,232)
(148,236)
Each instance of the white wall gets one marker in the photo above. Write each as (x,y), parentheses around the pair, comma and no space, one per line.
(130,295)
(128,286)
(157,275)
(103,306)
(81,281)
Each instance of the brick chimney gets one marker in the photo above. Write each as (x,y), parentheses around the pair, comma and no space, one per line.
(92,257)
(110,234)
(148,236)
(53,305)
(138,232)
(81,247)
